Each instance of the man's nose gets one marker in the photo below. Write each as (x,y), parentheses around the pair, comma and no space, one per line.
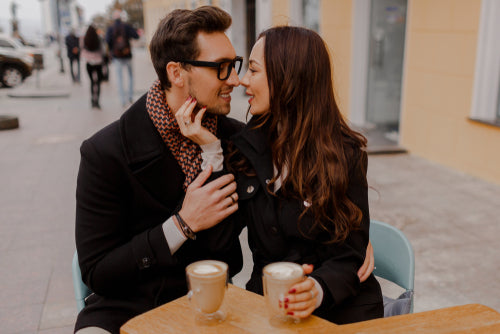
(233,79)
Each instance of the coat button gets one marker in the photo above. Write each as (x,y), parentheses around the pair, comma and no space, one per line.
(267,181)
(146,262)
(274,230)
(250,189)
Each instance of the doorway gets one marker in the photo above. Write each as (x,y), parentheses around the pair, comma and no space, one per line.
(379,29)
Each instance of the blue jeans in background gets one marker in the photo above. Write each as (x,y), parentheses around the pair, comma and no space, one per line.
(120,64)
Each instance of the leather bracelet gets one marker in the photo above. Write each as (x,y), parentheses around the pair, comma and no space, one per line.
(188,232)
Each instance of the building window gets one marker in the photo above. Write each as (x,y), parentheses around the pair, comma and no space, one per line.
(486,96)
(305,13)
(310,10)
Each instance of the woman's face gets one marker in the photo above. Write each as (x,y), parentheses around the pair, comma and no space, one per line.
(255,80)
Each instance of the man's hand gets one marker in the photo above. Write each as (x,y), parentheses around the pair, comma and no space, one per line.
(369,264)
(207,205)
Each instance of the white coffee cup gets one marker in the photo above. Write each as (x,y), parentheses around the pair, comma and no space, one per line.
(207,281)
(277,279)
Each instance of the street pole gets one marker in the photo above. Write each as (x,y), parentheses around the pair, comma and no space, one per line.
(59,37)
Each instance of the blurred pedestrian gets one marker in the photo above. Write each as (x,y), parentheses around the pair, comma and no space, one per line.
(106,57)
(118,38)
(93,54)
(73,48)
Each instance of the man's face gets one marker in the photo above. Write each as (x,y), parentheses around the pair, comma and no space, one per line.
(203,83)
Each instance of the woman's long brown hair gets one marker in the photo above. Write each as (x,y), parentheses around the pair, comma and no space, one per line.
(309,138)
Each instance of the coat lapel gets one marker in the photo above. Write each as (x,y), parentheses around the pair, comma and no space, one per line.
(148,158)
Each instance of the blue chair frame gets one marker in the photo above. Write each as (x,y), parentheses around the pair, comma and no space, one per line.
(394,257)
(81,290)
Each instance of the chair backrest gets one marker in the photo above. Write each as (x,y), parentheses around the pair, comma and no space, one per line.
(394,258)
(81,290)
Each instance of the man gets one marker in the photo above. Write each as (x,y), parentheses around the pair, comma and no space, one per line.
(144,210)
(118,38)
(73,51)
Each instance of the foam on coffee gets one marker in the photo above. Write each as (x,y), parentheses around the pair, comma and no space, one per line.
(205,269)
(284,270)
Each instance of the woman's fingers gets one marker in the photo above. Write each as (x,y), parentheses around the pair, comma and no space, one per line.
(301,300)
(301,304)
(308,268)
(183,114)
(199,116)
(302,313)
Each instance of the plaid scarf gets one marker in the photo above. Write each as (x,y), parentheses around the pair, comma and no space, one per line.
(186,152)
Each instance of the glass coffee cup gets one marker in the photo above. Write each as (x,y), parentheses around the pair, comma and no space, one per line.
(207,282)
(277,279)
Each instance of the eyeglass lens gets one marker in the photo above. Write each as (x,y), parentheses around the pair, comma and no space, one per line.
(226,67)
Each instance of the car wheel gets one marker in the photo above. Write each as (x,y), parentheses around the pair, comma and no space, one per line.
(12,76)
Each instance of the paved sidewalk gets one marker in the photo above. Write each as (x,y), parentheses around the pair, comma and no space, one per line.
(450,218)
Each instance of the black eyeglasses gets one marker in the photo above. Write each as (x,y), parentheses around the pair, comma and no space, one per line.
(224,67)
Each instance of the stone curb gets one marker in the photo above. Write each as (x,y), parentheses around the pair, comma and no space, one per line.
(39,94)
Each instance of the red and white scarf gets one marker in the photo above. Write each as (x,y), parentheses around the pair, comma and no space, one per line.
(186,152)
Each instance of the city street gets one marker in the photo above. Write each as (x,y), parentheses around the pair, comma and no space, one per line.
(450,218)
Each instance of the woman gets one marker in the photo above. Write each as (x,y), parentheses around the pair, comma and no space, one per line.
(93,53)
(301,175)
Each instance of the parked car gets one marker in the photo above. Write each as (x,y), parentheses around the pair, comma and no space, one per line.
(17,61)
(14,69)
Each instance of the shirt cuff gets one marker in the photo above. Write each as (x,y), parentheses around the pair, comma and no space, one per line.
(212,155)
(175,238)
(319,298)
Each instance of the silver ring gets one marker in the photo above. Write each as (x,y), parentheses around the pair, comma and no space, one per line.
(187,122)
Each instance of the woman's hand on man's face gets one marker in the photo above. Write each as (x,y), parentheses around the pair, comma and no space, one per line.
(190,125)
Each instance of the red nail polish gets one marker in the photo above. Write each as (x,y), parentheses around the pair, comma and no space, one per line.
(292,291)
(290,313)
(286,300)
(286,305)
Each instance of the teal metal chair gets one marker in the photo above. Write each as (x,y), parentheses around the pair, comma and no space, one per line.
(395,262)
(81,290)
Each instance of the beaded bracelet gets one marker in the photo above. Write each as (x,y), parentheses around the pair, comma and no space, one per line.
(188,232)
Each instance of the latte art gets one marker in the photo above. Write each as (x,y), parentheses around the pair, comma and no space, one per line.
(284,270)
(206,269)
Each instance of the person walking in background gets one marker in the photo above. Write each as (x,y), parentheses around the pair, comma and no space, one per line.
(106,57)
(118,38)
(93,54)
(73,49)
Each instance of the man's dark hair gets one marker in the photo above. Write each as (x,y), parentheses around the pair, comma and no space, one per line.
(175,37)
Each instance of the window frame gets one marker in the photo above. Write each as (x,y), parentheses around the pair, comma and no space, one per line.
(486,94)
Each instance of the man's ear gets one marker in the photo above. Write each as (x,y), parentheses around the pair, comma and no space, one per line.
(174,74)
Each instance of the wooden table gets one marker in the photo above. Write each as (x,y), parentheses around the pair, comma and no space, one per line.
(247,313)
(471,318)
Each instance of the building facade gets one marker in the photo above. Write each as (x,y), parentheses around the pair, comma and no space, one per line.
(425,73)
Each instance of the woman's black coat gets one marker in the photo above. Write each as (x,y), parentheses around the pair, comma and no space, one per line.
(129,184)
(274,235)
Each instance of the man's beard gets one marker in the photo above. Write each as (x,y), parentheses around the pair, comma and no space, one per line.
(217,110)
